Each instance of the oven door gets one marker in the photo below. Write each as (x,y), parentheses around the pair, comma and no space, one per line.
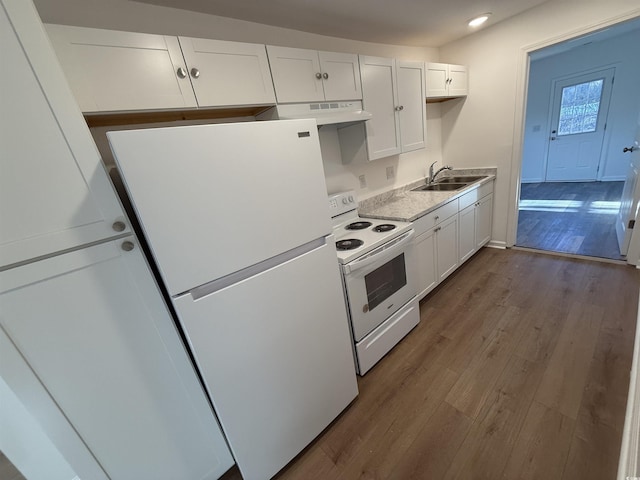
(379,283)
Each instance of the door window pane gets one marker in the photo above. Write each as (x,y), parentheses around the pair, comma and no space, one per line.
(579,108)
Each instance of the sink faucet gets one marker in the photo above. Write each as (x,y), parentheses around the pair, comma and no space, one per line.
(432,176)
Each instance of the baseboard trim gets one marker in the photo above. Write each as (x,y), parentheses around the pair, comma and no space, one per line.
(629,450)
(497,244)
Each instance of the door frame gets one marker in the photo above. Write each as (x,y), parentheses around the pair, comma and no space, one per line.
(522,85)
(604,69)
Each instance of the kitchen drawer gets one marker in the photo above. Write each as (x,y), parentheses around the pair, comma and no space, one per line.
(435,217)
(475,195)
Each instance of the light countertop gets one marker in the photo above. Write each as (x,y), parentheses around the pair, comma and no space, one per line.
(402,204)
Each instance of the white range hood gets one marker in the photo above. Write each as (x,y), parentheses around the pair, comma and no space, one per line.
(325,113)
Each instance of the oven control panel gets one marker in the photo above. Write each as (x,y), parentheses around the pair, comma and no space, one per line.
(340,203)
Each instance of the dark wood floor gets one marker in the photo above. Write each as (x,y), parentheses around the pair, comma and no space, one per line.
(519,369)
(577,218)
(7,470)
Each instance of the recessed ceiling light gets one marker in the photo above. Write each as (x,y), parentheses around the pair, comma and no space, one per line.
(479,20)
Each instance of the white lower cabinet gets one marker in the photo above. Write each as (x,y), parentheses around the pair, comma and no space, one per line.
(475,218)
(436,246)
(93,328)
(451,234)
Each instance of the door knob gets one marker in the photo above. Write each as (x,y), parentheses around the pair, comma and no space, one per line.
(628,149)
(318,75)
(195,73)
(181,72)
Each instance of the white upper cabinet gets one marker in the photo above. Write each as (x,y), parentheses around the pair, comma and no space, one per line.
(228,73)
(394,93)
(301,75)
(111,71)
(116,71)
(445,80)
(54,192)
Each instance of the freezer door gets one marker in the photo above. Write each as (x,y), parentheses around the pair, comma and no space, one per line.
(214,199)
(275,354)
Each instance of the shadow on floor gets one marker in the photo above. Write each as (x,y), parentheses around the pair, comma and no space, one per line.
(570,217)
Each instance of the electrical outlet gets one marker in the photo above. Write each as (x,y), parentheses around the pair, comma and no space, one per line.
(363,181)
(390,173)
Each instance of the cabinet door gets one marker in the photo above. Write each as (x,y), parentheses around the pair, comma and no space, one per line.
(484,220)
(447,245)
(111,70)
(425,250)
(94,329)
(379,96)
(457,81)
(437,76)
(296,74)
(340,76)
(228,73)
(467,236)
(54,192)
(413,108)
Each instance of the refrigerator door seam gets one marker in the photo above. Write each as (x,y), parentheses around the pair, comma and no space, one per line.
(233,278)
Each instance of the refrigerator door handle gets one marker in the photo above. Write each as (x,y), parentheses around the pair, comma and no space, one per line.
(216,285)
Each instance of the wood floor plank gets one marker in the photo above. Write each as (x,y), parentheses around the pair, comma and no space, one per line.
(566,374)
(473,387)
(541,450)
(431,453)
(485,451)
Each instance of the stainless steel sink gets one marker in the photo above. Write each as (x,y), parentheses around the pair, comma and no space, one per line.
(440,187)
(461,179)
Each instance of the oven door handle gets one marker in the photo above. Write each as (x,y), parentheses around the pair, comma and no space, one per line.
(388,250)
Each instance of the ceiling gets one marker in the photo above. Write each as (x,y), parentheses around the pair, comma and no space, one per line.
(424,23)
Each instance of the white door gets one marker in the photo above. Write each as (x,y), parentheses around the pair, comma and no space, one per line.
(578,122)
(458,80)
(630,196)
(467,232)
(437,79)
(215,188)
(447,244)
(275,354)
(95,330)
(413,108)
(228,73)
(112,70)
(379,96)
(484,220)
(425,249)
(54,192)
(296,72)
(340,76)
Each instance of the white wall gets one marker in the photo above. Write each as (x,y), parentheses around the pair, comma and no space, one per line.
(140,17)
(486,130)
(620,52)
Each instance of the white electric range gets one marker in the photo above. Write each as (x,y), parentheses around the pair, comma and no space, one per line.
(378,268)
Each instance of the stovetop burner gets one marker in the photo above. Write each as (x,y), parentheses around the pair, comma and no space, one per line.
(358,225)
(385,227)
(349,244)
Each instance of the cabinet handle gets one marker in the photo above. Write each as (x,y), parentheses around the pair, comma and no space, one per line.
(325,75)
(181,72)
(195,73)
(319,76)
(118,226)
(127,246)
(401,107)
(628,149)
(436,218)
(437,229)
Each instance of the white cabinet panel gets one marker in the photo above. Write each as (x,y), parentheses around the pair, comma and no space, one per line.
(301,75)
(297,76)
(93,327)
(484,221)
(426,254)
(379,95)
(447,245)
(228,73)
(111,70)
(342,80)
(413,109)
(445,80)
(467,232)
(54,192)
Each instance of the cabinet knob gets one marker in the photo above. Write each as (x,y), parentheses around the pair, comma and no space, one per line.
(436,218)
(628,149)
(195,73)
(118,226)
(325,75)
(181,72)
(127,246)
(319,76)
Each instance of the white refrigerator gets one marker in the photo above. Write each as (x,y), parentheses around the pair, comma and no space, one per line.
(237,221)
